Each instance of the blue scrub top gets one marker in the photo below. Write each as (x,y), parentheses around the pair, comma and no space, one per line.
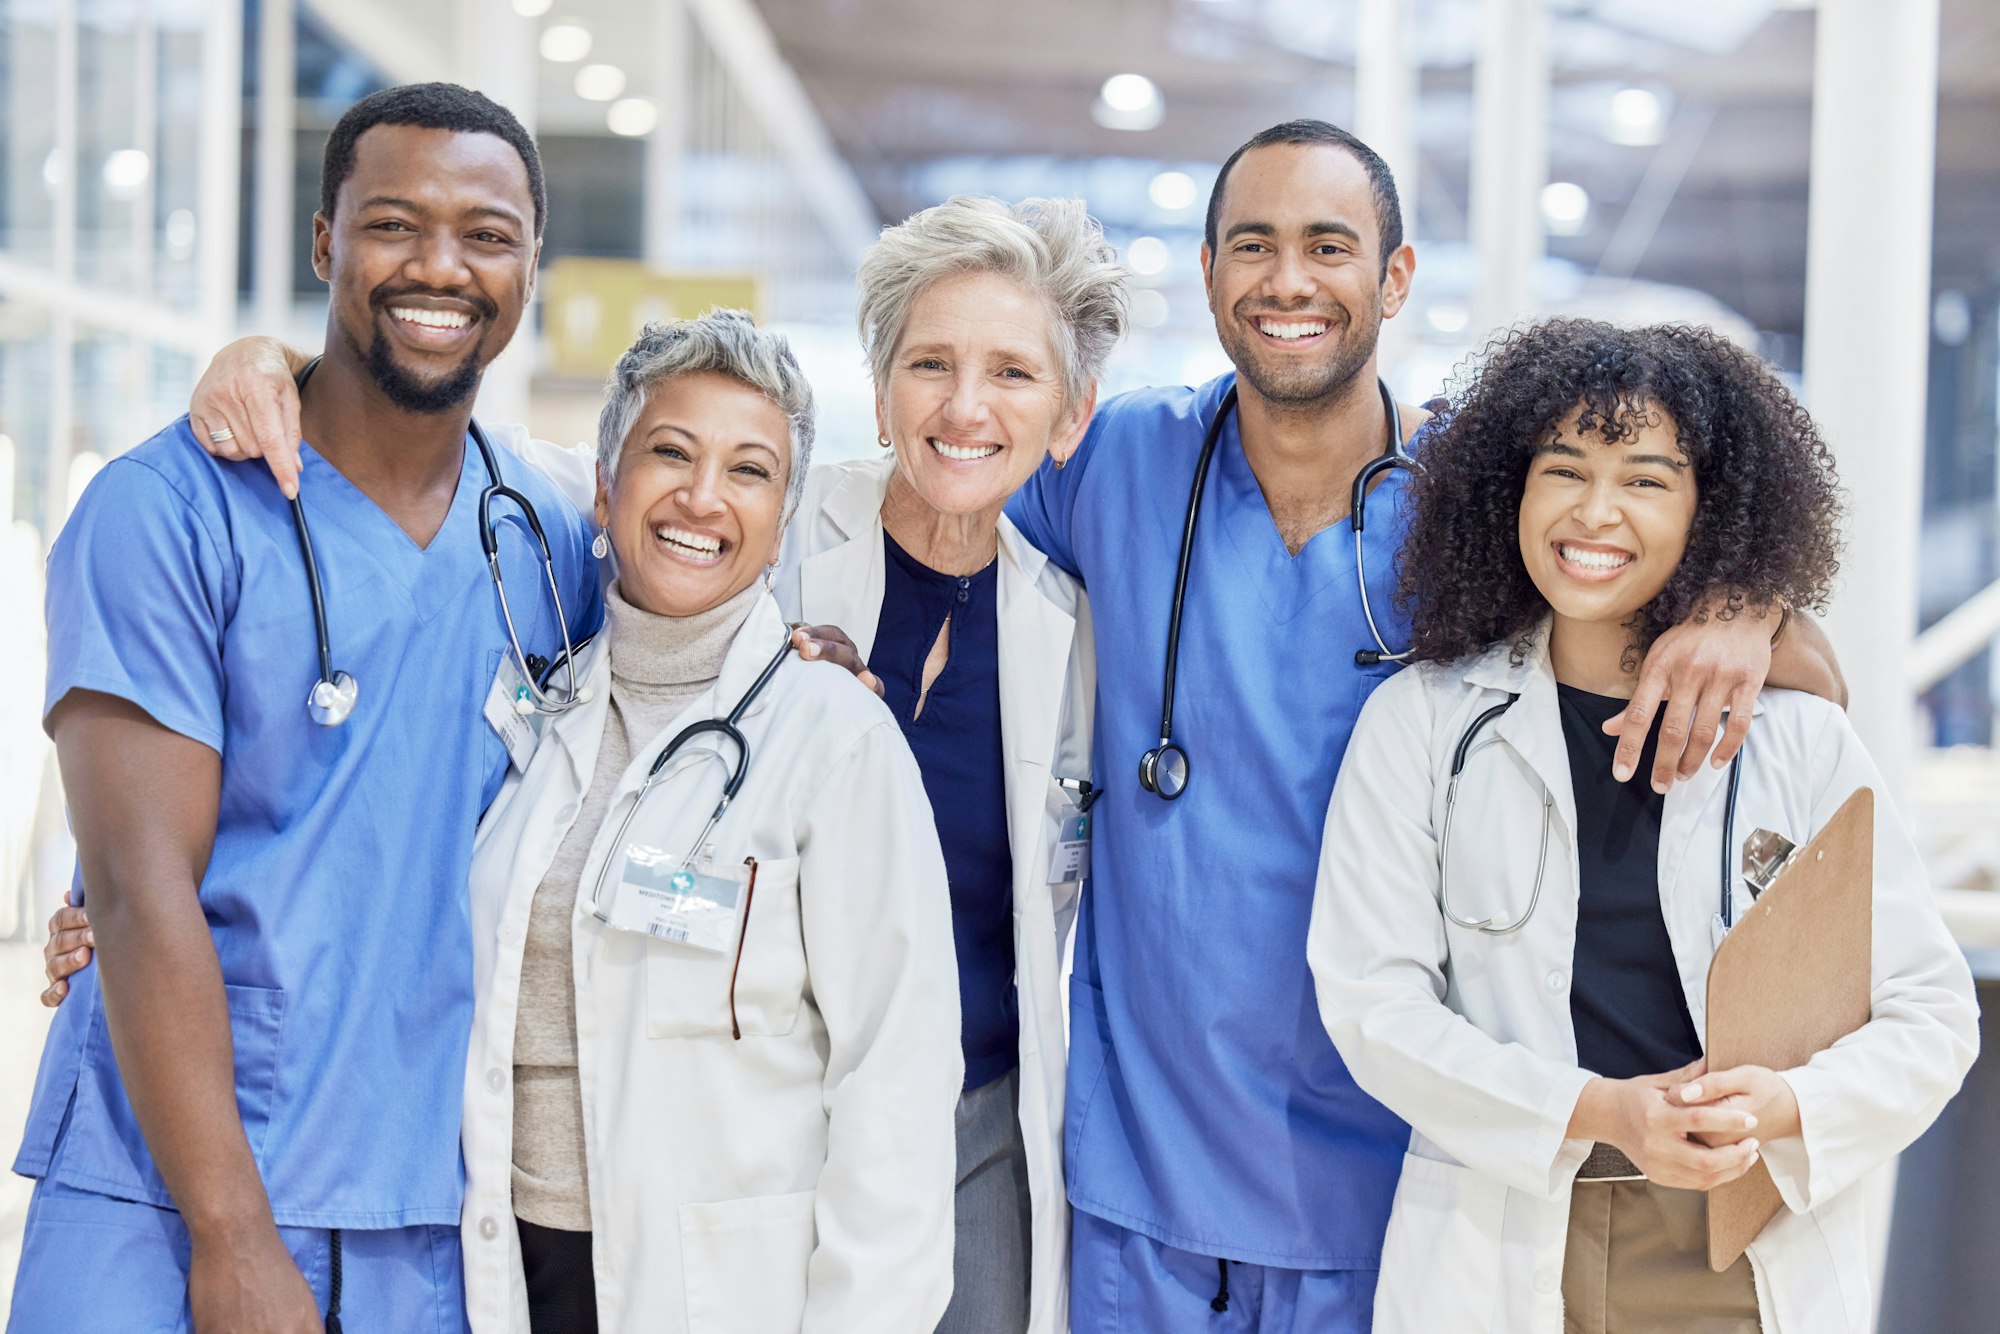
(336,889)
(1207,1107)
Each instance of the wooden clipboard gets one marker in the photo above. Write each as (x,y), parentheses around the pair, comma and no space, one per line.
(1790,979)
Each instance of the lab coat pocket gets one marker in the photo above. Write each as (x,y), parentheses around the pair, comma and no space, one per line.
(755,990)
(97,1158)
(1446,1222)
(744,1263)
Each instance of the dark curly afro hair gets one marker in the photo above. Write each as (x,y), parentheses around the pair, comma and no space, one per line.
(1767,508)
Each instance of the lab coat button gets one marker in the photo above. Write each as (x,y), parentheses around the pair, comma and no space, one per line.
(496,1080)
(1545,1281)
(1556,980)
(489,1227)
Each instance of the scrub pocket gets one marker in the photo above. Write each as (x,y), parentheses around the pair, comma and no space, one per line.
(757,989)
(89,1262)
(744,1263)
(104,1150)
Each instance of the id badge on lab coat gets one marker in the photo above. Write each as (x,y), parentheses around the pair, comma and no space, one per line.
(519,732)
(660,895)
(1071,859)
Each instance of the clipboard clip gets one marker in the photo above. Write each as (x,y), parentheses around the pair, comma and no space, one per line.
(1766,854)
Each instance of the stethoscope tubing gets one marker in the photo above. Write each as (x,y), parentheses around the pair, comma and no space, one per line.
(1159,759)
(727,727)
(1725,915)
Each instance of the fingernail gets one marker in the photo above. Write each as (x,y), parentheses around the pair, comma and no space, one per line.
(1621,772)
(1751,1145)
(1659,787)
(1749,1121)
(90,937)
(1692,1093)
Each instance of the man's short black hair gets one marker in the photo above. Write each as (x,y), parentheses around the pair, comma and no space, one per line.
(428,106)
(1388,207)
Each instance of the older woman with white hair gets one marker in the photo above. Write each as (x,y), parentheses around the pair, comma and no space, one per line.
(986,328)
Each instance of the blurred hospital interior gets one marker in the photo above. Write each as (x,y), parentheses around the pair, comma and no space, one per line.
(1819,180)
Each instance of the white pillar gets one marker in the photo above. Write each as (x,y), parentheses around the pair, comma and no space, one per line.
(1874,133)
(1510,157)
(271,226)
(62,322)
(668,142)
(499,55)
(1386,76)
(221,165)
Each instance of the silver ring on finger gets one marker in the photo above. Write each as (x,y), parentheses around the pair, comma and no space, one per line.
(221,435)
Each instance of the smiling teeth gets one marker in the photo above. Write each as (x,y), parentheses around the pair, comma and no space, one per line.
(695,542)
(1594,560)
(965,453)
(1302,329)
(433,319)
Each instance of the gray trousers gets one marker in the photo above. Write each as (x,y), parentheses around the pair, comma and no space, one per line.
(989,1267)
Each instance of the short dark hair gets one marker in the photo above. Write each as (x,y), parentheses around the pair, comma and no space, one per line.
(428,106)
(1767,505)
(1388,206)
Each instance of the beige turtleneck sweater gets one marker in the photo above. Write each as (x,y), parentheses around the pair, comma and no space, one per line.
(659,665)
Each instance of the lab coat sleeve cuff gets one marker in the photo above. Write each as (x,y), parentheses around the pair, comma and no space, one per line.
(1563,1155)
(1789,1161)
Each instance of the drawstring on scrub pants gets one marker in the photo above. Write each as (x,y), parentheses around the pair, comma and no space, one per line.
(1220,1303)
(333,1287)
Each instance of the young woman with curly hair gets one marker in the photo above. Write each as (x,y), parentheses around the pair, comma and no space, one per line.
(1528,992)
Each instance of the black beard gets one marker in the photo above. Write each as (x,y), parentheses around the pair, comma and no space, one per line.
(1306,385)
(414,395)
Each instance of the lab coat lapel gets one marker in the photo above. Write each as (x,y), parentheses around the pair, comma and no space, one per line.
(1035,637)
(842,585)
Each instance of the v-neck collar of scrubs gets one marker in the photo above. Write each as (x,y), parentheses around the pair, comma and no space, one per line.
(1288,584)
(432,576)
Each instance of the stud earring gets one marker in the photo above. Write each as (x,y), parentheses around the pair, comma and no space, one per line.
(600,546)
(1062,461)
(882,440)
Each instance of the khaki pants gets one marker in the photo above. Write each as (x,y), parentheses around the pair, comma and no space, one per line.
(1637,1261)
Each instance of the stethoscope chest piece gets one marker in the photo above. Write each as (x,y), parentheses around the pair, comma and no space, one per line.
(1163,770)
(331,700)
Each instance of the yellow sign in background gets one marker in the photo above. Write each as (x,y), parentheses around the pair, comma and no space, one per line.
(592,309)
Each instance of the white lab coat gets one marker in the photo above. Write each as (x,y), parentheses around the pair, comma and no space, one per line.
(799,1178)
(1468,1036)
(832,574)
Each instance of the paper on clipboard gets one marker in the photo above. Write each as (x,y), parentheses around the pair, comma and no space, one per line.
(1790,979)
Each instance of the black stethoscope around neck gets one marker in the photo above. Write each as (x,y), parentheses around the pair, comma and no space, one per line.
(333,695)
(1163,770)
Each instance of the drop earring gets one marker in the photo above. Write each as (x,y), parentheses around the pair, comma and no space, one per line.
(882,440)
(770,576)
(600,546)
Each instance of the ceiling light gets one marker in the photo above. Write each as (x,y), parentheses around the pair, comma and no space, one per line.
(632,117)
(1147,255)
(1172,190)
(599,83)
(1128,102)
(1638,117)
(566,42)
(1565,208)
(1149,308)
(1448,317)
(125,173)
(532,9)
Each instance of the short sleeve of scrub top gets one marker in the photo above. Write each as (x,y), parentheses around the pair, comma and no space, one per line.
(1044,509)
(138,591)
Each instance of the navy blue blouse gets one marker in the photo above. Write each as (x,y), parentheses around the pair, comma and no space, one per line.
(956,740)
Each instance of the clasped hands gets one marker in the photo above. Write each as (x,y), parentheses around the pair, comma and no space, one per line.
(1689,1128)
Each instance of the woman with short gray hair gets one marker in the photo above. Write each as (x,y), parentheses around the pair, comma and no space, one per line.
(986,326)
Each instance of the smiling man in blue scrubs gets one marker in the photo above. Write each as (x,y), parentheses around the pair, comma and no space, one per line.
(247,1113)
(1226,1173)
